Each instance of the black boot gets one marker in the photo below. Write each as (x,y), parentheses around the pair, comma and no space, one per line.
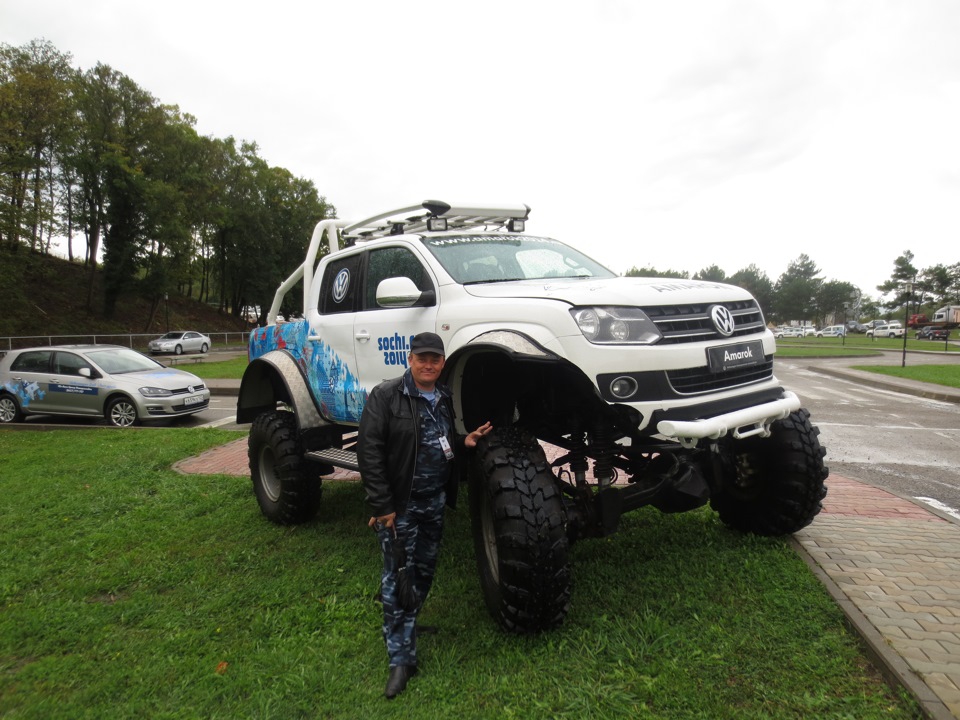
(397,681)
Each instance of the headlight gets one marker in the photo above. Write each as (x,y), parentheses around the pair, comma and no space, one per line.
(612,325)
(155,392)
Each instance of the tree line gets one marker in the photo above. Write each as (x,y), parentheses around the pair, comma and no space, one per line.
(161,209)
(799,294)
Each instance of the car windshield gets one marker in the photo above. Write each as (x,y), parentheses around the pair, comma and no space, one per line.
(474,259)
(172,336)
(117,361)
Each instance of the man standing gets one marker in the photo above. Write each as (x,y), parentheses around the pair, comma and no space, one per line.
(407,447)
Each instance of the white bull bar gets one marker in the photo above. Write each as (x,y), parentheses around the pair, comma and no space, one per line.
(740,423)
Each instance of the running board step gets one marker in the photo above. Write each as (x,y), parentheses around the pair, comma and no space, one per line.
(336,457)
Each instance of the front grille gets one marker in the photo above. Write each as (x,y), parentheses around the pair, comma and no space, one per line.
(693,381)
(188,391)
(692,323)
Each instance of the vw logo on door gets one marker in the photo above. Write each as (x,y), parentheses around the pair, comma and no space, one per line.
(722,320)
(340,284)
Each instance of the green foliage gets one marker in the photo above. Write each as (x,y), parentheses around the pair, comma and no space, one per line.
(652,272)
(129,590)
(96,153)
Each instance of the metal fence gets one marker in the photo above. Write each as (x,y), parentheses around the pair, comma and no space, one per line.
(137,341)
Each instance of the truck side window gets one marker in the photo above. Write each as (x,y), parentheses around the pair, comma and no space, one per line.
(393,262)
(341,281)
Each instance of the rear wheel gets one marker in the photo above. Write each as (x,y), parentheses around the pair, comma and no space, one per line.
(10,409)
(773,485)
(288,489)
(204,348)
(519,530)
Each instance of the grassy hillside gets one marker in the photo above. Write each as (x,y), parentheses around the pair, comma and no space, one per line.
(43,295)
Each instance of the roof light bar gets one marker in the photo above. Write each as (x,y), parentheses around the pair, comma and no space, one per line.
(436,224)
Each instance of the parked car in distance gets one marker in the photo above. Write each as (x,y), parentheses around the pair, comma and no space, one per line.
(97,381)
(832,331)
(179,342)
(784,332)
(916,319)
(931,332)
(809,331)
(890,330)
(856,327)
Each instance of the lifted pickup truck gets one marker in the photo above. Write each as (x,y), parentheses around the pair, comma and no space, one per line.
(648,391)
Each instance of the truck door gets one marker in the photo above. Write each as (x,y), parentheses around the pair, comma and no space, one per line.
(332,362)
(383,334)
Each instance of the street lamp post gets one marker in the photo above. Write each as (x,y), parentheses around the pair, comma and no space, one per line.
(906,317)
(843,338)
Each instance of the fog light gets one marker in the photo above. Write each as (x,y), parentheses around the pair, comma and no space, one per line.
(623,387)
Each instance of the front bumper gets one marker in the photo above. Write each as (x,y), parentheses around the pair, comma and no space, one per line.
(743,423)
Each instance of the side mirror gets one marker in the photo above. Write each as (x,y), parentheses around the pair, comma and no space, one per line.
(397,292)
(85,372)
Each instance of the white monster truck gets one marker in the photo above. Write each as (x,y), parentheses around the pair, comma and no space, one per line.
(665,386)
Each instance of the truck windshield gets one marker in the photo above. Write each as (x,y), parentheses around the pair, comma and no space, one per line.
(498,258)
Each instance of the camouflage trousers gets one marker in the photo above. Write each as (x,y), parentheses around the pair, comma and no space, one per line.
(421,528)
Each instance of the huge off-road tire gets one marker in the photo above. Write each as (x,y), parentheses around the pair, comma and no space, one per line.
(773,485)
(287,489)
(519,531)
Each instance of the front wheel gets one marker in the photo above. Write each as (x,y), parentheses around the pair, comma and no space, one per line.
(287,491)
(773,485)
(121,412)
(519,530)
(178,350)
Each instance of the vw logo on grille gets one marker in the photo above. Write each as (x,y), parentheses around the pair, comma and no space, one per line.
(722,320)
(340,285)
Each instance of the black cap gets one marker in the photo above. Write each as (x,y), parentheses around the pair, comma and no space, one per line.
(427,342)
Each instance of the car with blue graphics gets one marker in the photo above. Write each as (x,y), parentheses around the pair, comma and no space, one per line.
(646,391)
(109,382)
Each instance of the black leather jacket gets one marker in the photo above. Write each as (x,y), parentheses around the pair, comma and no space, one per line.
(387,447)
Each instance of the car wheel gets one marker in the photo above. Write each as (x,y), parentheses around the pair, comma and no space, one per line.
(10,409)
(519,530)
(204,348)
(121,412)
(178,350)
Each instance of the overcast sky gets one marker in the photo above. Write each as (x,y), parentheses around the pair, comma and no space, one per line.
(667,134)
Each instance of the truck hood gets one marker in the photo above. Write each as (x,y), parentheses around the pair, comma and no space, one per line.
(643,292)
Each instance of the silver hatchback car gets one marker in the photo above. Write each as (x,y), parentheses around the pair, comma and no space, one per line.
(101,381)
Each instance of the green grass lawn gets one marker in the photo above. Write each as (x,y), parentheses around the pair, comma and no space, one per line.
(128,590)
(862,342)
(227,369)
(948,375)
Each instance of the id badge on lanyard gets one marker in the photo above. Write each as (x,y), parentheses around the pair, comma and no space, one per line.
(445,446)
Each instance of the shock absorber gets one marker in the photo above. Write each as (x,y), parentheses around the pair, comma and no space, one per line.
(603,455)
(578,459)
